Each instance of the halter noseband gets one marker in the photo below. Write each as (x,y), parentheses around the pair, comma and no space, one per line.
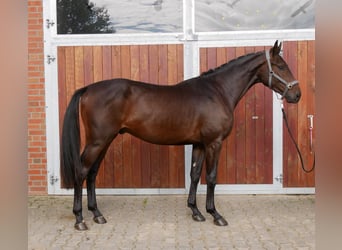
(271,73)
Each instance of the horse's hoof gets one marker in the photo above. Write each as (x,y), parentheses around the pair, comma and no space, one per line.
(81,226)
(100,219)
(198,217)
(220,222)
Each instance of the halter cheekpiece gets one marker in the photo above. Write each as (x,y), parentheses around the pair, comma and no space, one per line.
(271,73)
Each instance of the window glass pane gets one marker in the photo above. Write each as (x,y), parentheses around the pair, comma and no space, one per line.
(119,16)
(230,15)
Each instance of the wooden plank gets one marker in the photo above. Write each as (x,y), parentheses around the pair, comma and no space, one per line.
(221,58)
(117,144)
(303,132)
(231,141)
(79,82)
(69,72)
(259,130)
(311,107)
(211,58)
(250,131)
(179,165)
(116,62)
(153,55)
(260,148)
(108,162)
(135,67)
(97,71)
(108,170)
(172,76)
(290,159)
(268,152)
(164,151)
(171,80)
(106,62)
(240,129)
(145,147)
(126,144)
(203,60)
(79,70)
(292,111)
(135,142)
(180,154)
(88,65)
(180,64)
(97,63)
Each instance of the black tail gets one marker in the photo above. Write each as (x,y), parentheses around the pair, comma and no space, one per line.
(70,141)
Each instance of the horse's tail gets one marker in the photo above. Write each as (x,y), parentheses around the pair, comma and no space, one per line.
(70,141)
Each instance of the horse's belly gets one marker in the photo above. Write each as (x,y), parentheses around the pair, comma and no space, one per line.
(164,135)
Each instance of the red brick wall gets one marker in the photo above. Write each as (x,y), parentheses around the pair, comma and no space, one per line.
(37,170)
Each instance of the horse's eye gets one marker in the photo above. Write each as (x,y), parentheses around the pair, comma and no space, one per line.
(281,67)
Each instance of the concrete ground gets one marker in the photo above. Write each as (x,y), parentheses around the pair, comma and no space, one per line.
(164,222)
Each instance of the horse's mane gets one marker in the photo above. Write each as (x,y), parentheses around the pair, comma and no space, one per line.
(240,59)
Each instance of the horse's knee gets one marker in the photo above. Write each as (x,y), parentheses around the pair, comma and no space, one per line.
(211,180)
(195,178)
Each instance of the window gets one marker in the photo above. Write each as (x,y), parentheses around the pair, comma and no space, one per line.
(238,15)
(125,16)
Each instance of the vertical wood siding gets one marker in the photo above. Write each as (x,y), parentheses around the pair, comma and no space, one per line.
(300,56)
(129,162)
(246,156)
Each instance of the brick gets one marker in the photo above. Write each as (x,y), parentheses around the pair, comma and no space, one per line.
(34,172)
(37,144)
(37,177)
(37,190)
(35,3)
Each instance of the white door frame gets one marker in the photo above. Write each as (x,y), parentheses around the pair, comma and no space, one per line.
(192,43)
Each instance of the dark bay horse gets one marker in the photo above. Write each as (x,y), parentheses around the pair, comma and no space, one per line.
(198,111)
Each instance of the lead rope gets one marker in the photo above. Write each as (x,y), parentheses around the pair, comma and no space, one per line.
(295,143)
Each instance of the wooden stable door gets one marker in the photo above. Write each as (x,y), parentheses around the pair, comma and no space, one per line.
(300,56)
(129,162)
(247,155)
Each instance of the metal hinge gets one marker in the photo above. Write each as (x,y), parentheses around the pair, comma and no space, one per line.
(50,59)
(53,179)
(279,178)
(49,23)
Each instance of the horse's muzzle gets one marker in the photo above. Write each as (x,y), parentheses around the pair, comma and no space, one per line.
(293,97)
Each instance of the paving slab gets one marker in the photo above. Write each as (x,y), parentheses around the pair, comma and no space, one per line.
(164,222)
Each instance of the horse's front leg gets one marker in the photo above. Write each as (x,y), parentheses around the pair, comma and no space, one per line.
(212,156)
(92,204)
(195,174)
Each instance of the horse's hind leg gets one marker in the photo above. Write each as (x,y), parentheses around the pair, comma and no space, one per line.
(77,209)
(91,195)
(91,158)
(198,154)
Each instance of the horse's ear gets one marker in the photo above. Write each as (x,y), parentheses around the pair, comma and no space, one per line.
(276,48)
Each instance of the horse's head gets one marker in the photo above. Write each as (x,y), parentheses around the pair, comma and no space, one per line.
(278,76)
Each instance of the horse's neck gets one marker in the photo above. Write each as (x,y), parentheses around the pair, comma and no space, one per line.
(235,85)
